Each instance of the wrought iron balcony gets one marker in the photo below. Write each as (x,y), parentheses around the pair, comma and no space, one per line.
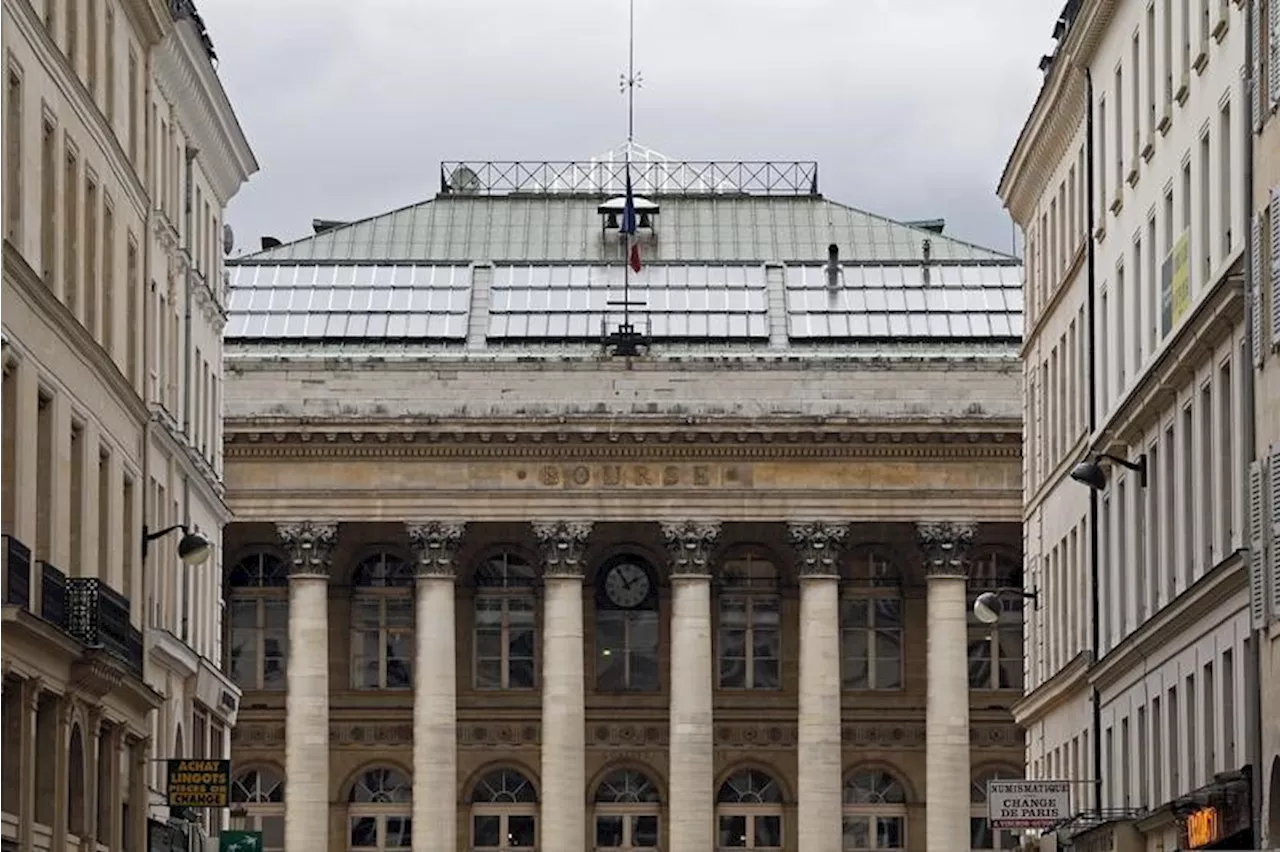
(17,573)
(99,617)
(53,595)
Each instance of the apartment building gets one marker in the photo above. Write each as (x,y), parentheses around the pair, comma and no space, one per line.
(112,315)
(1129,182)
(1264,472)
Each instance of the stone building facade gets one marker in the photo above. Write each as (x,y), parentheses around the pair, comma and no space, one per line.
(493,585)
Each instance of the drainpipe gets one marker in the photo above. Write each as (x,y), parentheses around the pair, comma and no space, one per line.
(188,193)
(1253,660)
(1095,592)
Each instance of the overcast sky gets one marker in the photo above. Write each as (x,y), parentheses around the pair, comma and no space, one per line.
(910,107)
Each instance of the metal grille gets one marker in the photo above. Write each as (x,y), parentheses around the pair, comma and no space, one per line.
(98,616)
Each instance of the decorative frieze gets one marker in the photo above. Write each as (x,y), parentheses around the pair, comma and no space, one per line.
(689,544)
(945,547)
(818,544)
(309,545)
(435,545)
(563,544)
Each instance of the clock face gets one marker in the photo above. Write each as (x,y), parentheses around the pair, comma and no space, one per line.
(627,585)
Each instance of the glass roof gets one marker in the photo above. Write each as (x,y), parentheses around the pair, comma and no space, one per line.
(358,302)
(896,302)
(584,302)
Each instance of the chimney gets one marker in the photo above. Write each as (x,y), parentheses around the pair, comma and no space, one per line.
(833,266)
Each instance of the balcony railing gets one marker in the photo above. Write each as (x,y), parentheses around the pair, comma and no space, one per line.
(99,617)
(17,573)
(53,595)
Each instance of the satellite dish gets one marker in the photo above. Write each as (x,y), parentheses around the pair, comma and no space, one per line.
(228,239)
(464,180)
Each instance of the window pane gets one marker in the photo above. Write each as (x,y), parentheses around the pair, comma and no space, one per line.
(979,833)
(489,644)
(521,831)
(733,673)
(889,674)
(244,613)
(488,612)
(1010,658)
(272,828)
(854,612)
(768,831)
(733,831)
(488,674)
(857,833)
(644,831)
(766,642)
(521,642)
(979,660)
(486,831)
(608,831)
(767,674)
(888,612)
(244,657)
(611,671)
(399,655)
(733,643)
(888,832)
(520,674)
(274,664)
(399,832)
(364,832)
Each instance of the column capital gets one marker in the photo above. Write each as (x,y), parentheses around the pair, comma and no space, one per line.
(945,546)
(819,544)
(435,546)
(689,544)
(563,544)
(309,545)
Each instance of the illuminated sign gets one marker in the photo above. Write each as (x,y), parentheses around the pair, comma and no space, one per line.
(199,783)
(1204,827)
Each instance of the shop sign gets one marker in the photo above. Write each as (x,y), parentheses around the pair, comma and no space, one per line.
(1203,828)
(199,783)
(1028,804)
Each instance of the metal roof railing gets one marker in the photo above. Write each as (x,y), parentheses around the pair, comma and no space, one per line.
(655,177)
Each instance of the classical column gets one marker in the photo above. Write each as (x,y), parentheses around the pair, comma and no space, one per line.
(691,783)
(564,718)
(306,731)
(435,714)
(945,549)
(818,749)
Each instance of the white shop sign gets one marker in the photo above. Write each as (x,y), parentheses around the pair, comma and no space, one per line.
(1027,804)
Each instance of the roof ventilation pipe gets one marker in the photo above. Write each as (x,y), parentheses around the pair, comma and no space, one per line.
(833,267)
(926,249)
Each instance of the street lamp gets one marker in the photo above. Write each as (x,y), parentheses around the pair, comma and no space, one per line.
(193,548)
(1090,472)
(986,608)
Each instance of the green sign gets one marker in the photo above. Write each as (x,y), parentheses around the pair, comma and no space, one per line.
(240,841)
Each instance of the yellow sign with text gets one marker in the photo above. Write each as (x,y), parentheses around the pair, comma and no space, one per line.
(199,783)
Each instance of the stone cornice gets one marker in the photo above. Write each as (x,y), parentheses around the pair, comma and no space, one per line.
(1050,694)
(188,80)
(77,338)
(150,17)
(196,467)
(617,440)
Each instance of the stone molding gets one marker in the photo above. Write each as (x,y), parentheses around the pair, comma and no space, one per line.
(562,544)
(484,441)
(819,545)
(309,546)
(689,544)
(945,546)
(435,546)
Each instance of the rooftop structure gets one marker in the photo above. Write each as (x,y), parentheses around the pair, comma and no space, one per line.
(737,256)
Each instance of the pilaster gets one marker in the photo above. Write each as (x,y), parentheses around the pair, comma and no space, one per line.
(435,740)
(691,812)
(819,544)
(564,776)
(945,550)
(310,549)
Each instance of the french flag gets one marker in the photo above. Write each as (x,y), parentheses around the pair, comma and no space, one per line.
(629,225)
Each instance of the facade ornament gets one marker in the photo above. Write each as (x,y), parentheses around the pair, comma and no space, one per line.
(435,546)
(689,544)
(309,545)
(819,545)
(563,544)
(945,547)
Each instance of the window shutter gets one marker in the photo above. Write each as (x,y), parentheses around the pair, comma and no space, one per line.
(1257,548)
(1275,259)
(1273,53)
(1274,550)
(1255,292)
(1259,87)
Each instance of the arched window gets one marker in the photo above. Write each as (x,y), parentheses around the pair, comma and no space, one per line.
(505,623)
(258,650)
(260,794)
(382,624)
(981,836)
(504,813)
(875,811)
(749,812)
(626,621)
(871,621)
(627,811)
(995,650)
(750,632)
(380,812)
(75,783)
